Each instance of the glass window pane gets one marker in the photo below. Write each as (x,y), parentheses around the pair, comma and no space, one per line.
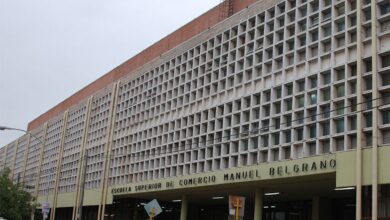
(301,101)
(313,131)
(313,98)
(340,125)
(386,117)
(340,90)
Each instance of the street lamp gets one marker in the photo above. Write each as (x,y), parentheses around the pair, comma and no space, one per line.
(3,128)
(45,205)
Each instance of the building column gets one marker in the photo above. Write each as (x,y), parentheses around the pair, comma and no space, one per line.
(258,205)
(79,185)
(359,107)
(375,113)
(107,151)
(184,207)
(59,163)
(316,208)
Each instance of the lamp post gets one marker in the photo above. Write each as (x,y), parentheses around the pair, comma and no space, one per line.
(46,205)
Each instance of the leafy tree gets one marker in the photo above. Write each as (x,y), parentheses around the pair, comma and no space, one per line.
(15,203)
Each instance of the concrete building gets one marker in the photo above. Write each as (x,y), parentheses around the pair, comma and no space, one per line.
(283,102)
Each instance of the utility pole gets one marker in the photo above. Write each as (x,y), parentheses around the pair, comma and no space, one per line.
(80,215)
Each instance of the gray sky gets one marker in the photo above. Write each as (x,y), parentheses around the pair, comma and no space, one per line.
(51,49)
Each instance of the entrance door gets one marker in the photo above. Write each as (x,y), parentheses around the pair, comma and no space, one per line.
(287,211)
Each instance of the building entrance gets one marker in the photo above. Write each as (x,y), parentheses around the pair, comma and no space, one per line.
(304,199)
(301,210)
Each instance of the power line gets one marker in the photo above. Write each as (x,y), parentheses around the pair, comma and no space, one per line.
(253,131)
(248,134)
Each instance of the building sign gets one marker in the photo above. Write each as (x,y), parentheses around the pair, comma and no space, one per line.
(284,169)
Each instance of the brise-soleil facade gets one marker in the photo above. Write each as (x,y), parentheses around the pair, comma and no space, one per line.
(278,81)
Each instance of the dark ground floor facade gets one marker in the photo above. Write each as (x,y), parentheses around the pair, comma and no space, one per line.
(316,200)
(317,188)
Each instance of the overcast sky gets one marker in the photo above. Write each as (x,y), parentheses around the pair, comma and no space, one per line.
(51,49)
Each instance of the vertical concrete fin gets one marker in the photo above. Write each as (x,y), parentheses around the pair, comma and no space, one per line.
(375,104)
(26,157)
(359,126)
(59,162)
(106,164)
(83,149)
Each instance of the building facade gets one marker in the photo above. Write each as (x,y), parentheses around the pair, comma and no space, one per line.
(286,103)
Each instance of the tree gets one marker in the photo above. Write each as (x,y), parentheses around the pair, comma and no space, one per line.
(15,202)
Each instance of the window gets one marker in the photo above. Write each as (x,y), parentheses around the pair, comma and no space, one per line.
(386,117)
(368,101)
(340,25)
(340,10)
(368,119)
(325,128)
(353,70)
(267,96)
(340,41)
(340,90)
(314,36)
(276,138)
(291,45)
(326,94)
(291,17)
(352,86)
(313,82)
(287,136)
(327,15)
(327,30)
(385,8)
(303,11)
(385,61)
(277,123)
(299,134)
(277,108)
(301,101)
(313,98)
(278,93)
(367,31)
(301,86)
(353,37)
(385,26)
(264,139)
(369,139)
(353,21)
(302,41)
(352,123)
(313,114)
(314,20)
(326,78)
(339,108)
(325,110)
(314,6)
(339,125)
(340,74)
(289,89)
(352,5)
(299,118)
(368,82)
(327,46)
(288,121)
(367,14)
(288,104)
(385,79)
(313,131)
